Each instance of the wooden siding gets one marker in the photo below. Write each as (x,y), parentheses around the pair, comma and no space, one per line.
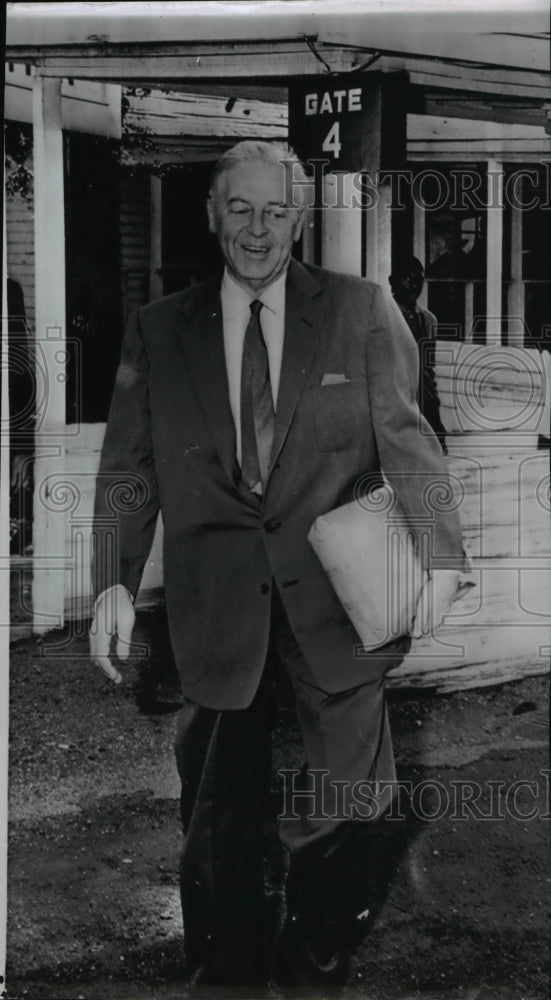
(135,213)
(200,115)
(86,106)
(457,140)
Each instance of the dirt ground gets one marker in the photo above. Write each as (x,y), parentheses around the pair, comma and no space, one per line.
(93,904)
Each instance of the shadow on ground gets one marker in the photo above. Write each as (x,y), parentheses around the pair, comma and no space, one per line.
(94,837)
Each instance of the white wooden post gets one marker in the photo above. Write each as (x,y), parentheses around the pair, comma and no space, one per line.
(515,293)
(494,252)
(370,222)
(308,236)
(49,526)
(420,246)
(469,311)
(309,247)
(341,224)
(377,221)
(384,233)
(155,276)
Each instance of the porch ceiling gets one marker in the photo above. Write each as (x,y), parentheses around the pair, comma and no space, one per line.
(459,89)
(506,32)
(477,60)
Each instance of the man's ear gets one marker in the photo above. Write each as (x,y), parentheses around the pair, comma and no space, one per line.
(211,214)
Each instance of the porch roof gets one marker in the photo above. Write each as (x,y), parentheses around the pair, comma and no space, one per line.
(465,59)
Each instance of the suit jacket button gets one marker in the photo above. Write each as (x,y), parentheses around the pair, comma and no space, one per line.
(264,588)
(271,525)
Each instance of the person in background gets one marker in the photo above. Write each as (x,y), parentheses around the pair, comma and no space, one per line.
(406,282)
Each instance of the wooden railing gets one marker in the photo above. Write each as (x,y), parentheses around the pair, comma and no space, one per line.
(495,404)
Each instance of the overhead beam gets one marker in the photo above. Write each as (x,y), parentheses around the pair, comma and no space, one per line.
(513,83)
(270,58)
(256,89)
(131,63)
(452,104)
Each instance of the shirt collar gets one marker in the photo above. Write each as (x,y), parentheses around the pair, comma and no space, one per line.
(237,299)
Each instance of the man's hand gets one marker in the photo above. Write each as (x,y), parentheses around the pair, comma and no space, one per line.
(114,615)
(435,601)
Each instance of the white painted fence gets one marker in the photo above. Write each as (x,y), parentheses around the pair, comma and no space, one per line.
(495,402)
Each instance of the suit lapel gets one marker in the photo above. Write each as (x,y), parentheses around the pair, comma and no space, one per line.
(202,339)
(303,321)
(203,342)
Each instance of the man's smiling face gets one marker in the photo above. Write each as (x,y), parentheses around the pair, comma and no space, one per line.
(248,212)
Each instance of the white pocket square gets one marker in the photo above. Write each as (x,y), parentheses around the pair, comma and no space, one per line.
(331,378)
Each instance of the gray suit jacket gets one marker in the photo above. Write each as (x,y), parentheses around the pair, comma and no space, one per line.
(170,444)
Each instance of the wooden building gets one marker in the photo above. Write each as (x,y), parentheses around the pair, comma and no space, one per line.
(126,112)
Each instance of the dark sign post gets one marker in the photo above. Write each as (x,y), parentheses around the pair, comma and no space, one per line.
(356,123)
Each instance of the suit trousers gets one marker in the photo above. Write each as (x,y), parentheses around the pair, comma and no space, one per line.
(328,811)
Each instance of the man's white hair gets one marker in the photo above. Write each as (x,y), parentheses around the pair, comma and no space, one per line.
(257,150)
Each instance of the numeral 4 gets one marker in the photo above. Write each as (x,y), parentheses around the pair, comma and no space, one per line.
(331,143)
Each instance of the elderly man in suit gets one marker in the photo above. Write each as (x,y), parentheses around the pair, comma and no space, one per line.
(244,407)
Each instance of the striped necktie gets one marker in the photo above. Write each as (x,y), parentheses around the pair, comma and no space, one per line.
(257,408)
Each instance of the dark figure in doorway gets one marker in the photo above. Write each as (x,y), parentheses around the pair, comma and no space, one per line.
(407,281)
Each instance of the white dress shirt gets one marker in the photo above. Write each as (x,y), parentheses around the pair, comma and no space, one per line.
(235,317)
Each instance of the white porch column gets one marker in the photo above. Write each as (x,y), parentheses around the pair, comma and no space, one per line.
(345,223)
(49,526)
(494,252)
(515,293)
(308,236)
(341,225)
(469,311)
(376,220)
(384,235)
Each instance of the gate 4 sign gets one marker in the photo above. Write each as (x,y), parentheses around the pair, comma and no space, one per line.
(337,118)
(340,119)
(336,101)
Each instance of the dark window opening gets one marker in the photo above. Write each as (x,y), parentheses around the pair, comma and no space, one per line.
(93,279)
(189,252)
